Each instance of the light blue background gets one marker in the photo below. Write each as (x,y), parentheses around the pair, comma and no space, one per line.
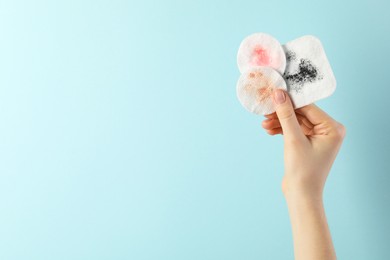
(122,137)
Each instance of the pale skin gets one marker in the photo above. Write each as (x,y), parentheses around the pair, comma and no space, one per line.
(312,140)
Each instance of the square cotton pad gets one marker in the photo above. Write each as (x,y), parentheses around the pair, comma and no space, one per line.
(308,74)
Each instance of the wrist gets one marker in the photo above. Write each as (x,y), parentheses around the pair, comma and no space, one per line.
(303,196)
(304,200)
(302,189)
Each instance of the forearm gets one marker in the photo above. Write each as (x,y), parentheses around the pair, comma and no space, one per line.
(312,239)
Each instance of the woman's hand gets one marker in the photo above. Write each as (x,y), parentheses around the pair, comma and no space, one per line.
(312,140)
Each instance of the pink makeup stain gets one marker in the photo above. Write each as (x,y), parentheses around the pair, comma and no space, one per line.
(260,56)
(264,94)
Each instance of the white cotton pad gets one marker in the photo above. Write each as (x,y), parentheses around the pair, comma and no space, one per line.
(308,74)
(255,88)
(260,49)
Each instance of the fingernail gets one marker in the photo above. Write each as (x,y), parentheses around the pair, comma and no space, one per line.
(279,96)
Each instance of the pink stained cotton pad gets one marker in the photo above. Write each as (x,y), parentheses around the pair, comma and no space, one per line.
(261,49)
(255,88)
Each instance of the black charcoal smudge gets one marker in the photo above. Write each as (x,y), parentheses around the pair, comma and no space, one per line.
(290,55)
(306,73)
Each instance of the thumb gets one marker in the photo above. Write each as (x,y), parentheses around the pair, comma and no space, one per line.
(286,114)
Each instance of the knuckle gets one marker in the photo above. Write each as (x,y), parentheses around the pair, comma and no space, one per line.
(340,131)
(285,114)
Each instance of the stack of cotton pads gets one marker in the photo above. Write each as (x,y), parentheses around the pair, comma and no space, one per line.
(299,67)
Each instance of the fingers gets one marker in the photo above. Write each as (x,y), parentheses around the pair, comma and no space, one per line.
(271,124)
(304,121)
(314,114)
(286,115)
(275,131)
(324,124)
(311,119)
(273,115)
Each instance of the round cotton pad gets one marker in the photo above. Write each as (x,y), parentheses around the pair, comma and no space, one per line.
(255,88)
(260,49)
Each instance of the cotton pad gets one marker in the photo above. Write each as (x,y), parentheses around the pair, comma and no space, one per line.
(260,49)
(308,74)
(255,88)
